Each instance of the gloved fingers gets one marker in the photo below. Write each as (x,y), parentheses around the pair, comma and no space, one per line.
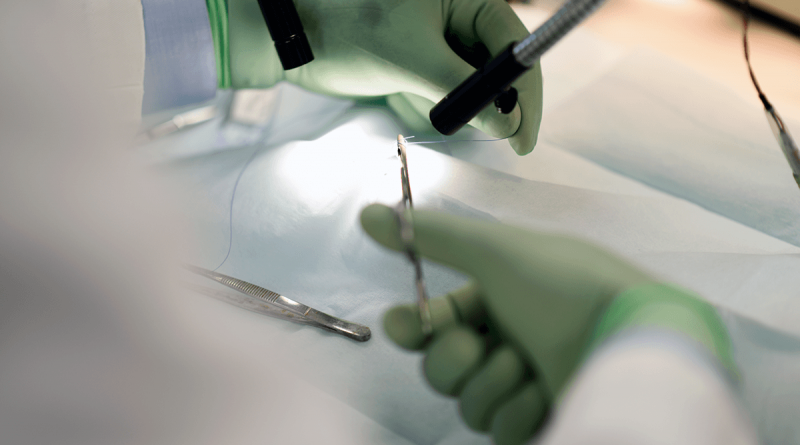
(452,358)
(529,87)
(519,417)
(461,243)
(495,382)
(403,324)
(413,110)
(468,304)
(491,22)
(494,24)
(254,60)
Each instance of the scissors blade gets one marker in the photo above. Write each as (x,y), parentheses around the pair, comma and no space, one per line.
(407,237)
(404,179)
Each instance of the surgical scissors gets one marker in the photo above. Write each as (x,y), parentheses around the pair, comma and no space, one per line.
(405,221)
(263,301)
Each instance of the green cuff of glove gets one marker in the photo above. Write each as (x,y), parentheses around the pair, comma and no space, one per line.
(218,18)
(668,307)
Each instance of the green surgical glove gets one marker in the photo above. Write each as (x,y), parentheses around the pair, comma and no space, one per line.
(508,343)
(394,48)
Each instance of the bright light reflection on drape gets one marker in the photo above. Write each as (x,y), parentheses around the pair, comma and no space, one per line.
(350,161)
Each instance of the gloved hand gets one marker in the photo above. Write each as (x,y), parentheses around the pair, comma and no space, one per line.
(508,343)
(395,48)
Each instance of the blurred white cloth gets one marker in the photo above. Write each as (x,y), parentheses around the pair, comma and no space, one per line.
(649,387)
(117,50)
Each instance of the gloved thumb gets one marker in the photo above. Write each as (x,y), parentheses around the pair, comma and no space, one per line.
(461,243)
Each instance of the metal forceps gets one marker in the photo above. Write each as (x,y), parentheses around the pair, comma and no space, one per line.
(407,236)
(263,301)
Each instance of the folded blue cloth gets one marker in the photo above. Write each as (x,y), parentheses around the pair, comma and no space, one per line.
(180,68)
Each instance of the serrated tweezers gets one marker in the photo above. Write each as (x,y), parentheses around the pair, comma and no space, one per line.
(257,299)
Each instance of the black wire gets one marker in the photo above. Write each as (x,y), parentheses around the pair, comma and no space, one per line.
(763,97)
(784,24)
(746,20)
(784,140)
